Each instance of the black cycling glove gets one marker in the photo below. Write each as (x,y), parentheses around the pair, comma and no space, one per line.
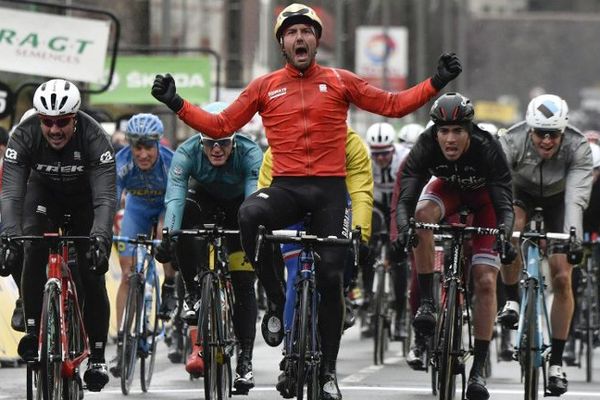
(11,258)
(98,257)
(448,68)
(164,251)
(164,90)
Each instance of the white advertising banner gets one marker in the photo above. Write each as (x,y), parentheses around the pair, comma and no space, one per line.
(376,49)
(53,45)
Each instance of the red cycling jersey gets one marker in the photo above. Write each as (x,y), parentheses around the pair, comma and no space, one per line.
(304,115)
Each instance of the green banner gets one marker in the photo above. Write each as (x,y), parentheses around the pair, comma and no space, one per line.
(134,75)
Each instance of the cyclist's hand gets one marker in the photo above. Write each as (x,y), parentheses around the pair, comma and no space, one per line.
(11,258)
(448,68)
(98,258)
(575,253)
(509,252)
(164,90)
(164,251)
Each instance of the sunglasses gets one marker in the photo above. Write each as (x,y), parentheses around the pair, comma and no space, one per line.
(60,122)
(211,143)
(547,134)
(302,11)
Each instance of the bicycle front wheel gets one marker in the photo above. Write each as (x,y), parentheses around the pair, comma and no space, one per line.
(51,355)
(208,329)
(151,330)
(448,360)
(72,384)
(589,328)
(130,327)
(529,346)
(302,335)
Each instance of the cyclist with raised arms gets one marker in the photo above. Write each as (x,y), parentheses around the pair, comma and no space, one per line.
(304,107)
(222,173)
(56,163)
(551,165)
(142,172)
(387,157)
(470,169)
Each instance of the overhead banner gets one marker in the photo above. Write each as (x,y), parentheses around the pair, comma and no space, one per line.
(376,49)
(51,45)
(134,76)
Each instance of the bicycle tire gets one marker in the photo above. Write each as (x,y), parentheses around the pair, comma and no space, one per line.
(437,290)
(50,358)
(302,337)
(448,361)
(208,331)
(589,336)
(149,338)
(130,327)
(228,334)
(379,316)
(73,384)
(529,347)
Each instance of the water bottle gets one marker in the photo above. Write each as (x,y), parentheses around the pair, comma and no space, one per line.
(148,305)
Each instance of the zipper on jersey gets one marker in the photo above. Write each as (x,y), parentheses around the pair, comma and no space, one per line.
(306,139)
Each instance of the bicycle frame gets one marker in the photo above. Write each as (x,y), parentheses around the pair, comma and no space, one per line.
(305,356)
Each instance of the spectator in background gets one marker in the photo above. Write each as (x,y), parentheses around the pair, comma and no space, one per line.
(118,140)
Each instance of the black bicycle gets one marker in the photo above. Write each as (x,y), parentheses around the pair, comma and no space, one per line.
(302,354)
(215,320)
(449,351)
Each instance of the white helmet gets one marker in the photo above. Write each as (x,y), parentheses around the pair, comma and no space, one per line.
(56,97)
(410,133)
(595,154)
(488,127)
(547,112)
(380,135)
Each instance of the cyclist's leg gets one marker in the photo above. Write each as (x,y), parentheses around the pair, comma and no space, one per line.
(274,207)
(399,274)
(436,201)
(168,291)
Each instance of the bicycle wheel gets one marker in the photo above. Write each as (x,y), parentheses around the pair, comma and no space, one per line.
(73,386)
(379,331)
(151,323)
(130,327)
(448,362)
(208,331)
(50,357)
(529,346)
(302,335)
(589,332)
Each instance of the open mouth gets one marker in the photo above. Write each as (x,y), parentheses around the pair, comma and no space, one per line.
(301,52)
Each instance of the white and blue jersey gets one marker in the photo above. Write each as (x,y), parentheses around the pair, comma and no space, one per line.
(145,193)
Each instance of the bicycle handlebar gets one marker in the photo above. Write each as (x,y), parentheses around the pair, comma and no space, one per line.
(208,230)
(301,237)
(137,240)
(548,235)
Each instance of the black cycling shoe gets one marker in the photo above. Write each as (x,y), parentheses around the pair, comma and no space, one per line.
(476,389)
(17,322)
(96,376)
(286,385)
(272,325)
(425,318)
(349,317)
(168,301)
(244,377)
(329,387)
(115,364)
(506,347)
(188,313)
(417,355)
(28,346)
(557,381)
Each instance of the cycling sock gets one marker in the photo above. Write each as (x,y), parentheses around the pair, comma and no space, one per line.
(480,351)
(558,346)
(97,352)
(426,286)
(512,292)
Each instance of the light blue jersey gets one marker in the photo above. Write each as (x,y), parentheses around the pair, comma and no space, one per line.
(238,177)
(145,192)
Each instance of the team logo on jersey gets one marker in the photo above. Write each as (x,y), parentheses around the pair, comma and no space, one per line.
(106,158)
(10,154)
(76,156)
(322,88)
(277,93)
(177,171)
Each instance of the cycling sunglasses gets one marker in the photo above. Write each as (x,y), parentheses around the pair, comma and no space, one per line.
(211,143)
(60,122)
(302,11)
(542,134)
